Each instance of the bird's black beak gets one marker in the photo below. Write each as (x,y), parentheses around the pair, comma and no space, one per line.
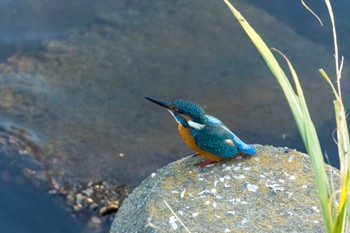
(163,103)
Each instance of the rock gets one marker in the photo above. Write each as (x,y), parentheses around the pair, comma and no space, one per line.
(272,191)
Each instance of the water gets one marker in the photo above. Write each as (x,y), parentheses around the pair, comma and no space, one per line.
(307,25)
(24,207)
(74,75)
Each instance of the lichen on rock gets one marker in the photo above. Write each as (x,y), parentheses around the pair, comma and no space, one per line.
(273,190)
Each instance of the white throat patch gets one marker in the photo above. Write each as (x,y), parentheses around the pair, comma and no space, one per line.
(190,122)
(195,125)
(173,115)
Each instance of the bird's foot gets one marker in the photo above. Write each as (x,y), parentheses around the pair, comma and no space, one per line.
(195,155)
(205,163)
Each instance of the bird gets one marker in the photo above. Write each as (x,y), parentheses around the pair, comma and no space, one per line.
(203,133)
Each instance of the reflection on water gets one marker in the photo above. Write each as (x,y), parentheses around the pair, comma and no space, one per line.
(81,95)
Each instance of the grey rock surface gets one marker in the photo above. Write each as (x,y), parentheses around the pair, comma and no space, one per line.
(273,191)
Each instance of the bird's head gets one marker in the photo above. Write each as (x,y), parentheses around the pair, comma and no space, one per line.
(185,112)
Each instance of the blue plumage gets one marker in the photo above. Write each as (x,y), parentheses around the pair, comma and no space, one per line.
(243,147)
(213,138)
(205,134)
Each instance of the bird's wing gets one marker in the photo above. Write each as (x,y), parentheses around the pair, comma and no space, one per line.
(243,147)
(215,140)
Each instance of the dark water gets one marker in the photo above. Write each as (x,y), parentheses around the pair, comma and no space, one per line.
(307,25)
(25,208)
(73,74)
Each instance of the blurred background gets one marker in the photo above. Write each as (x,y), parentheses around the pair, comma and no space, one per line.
(74,127)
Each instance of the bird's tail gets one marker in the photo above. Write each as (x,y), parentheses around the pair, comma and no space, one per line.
(248,149)
(243,147)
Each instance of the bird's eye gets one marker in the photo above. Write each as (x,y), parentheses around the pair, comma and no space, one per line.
(176,109)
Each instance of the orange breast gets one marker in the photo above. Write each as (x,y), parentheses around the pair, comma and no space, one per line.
(187,137)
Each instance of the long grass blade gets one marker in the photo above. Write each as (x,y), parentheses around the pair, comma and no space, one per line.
(343,219)
(311,11)
(301,115)
(326,77)
(340,223)
(177,217)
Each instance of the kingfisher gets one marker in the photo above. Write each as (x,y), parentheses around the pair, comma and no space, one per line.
(203,133)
